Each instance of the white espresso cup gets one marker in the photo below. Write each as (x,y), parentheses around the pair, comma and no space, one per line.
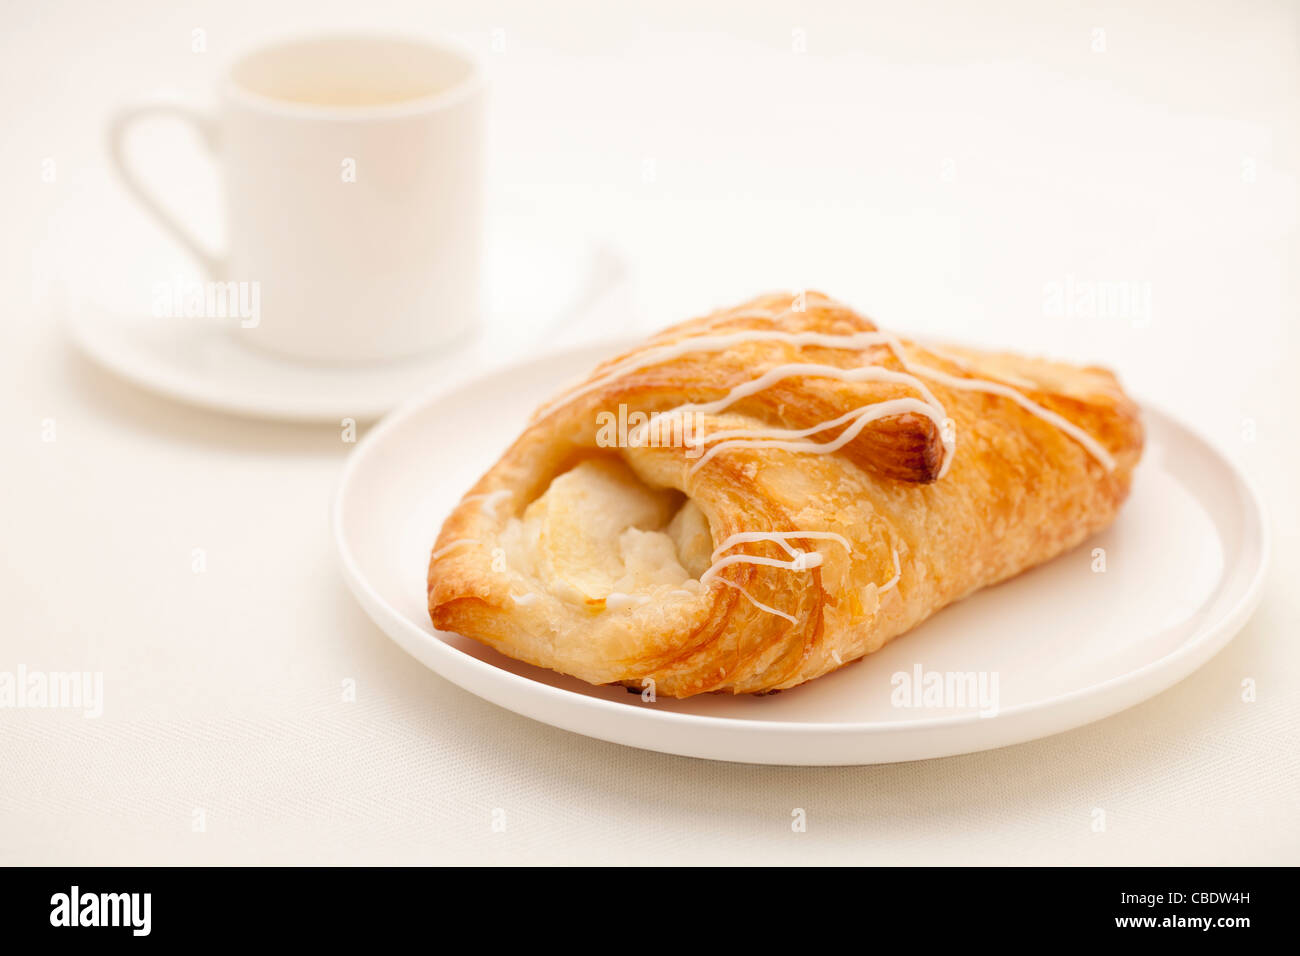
(352,172)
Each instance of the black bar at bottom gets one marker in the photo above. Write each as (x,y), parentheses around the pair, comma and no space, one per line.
(333,906)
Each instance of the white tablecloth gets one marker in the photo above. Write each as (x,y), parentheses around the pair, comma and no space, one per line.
(941,168)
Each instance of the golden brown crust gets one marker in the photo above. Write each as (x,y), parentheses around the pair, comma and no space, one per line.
(1018,492)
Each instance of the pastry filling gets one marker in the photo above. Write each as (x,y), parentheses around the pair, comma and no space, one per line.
(600,537)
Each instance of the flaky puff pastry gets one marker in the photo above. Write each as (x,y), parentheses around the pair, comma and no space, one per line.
(603,552)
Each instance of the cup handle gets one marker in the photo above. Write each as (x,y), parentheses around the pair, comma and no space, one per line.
(214,265)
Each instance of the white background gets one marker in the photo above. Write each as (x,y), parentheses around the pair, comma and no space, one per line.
(937,167)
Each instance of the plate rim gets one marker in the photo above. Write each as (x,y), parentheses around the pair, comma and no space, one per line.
(1209,638)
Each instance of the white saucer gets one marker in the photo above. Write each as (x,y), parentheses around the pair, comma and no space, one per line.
(1185,565)
(550,285)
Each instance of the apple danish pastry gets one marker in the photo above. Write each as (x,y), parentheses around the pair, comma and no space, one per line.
(754,498)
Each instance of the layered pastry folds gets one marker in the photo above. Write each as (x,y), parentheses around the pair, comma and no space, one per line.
(754,498)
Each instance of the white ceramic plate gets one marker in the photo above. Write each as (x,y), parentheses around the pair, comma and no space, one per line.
(1069,645)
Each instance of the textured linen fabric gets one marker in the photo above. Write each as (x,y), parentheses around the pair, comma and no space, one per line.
(956,204)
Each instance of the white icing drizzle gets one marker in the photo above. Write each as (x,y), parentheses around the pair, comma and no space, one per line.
(780,537)
(1090,444)
(966,366)
(789,433)
(892,582)
(861,417)
(791,565)
(928,406)
(713,343)
(863,373)
(931,408)
(801,561)
(757,603)
(843,341)
(525,600)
